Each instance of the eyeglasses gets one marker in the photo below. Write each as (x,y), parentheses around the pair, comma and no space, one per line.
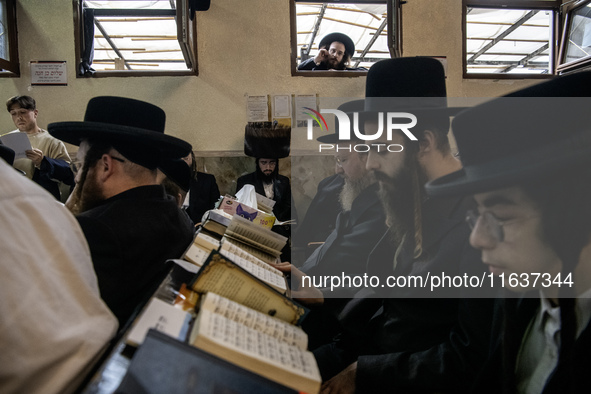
(491,223)
(76,165)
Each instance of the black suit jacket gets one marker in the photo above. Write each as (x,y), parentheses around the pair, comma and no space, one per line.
(281,190)
(130,236)
(344,252)
(321,215)
(203,194)
(564,379)
(414,343)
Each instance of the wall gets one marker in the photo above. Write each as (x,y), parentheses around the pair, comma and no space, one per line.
(244,49)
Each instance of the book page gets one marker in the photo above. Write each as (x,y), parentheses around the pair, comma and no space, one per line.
(196,254)
(221,276)
(271,276)
(256,351)
(249,232)
(278,329)
(245,250)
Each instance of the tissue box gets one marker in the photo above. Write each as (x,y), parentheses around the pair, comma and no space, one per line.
(233,207)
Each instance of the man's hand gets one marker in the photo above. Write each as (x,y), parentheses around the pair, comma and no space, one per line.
(308,295)
(343,383)
(36,156)
(322,56)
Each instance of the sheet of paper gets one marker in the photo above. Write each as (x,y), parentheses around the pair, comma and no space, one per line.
(18,142)
(257,109)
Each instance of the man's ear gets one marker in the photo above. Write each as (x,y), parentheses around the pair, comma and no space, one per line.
(426,142)
(105,167)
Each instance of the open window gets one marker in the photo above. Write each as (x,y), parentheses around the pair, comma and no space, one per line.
(9,63)
(125,38)
(575,45)
(509,39)
(373,25)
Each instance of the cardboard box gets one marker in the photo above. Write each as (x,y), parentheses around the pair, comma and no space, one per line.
(233,207)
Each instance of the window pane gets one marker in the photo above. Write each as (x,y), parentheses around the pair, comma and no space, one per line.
(4,44)
(136,42)
(361,22)
(579,39)
(507,41)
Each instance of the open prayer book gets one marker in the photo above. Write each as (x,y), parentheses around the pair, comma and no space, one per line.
(257,240)
(220,275)
(256,342)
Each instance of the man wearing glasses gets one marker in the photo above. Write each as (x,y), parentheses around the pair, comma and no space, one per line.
(131,225)
(47,160)
(526,163)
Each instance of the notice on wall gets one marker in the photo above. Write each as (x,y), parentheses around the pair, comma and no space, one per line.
(49,73)
(257,108)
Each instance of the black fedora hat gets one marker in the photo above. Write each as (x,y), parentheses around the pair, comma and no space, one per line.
(340,37)
(349,107)
(267,140)
(134,127)
(407,83)
(522,136)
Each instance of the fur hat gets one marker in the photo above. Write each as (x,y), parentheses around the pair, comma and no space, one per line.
(263,139)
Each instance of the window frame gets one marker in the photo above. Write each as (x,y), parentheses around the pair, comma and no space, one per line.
(11,68)
(187,29)
(552,5)
(566,12)
(394,25)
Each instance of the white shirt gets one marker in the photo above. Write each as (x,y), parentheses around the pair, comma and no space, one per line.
(540,348)
(53,323)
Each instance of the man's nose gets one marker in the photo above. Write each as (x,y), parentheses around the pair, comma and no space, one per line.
(481,237)
(371,163)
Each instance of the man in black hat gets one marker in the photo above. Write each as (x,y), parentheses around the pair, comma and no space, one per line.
(131,225)
(405,337)
(359,226)
(335,53)
(526,162)
(267,144)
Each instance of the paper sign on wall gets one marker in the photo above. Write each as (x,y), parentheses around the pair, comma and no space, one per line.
(49,73)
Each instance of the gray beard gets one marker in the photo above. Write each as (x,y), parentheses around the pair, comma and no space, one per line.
(352,189)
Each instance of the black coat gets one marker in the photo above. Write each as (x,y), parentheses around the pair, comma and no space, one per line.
(572,379)
(414,343)
(130,237)
(344,252)
(203,194)
(321,215)
(51,172)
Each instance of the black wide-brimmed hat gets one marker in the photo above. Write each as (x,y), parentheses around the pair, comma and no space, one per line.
(522,136)
(349,108)
(135,128)
(267,140)
(178,171)
(411,84)
(340,37)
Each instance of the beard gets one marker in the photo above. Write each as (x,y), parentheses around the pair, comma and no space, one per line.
(333,64)
(90,193)
(267,177)
(352,189)
(398,196)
